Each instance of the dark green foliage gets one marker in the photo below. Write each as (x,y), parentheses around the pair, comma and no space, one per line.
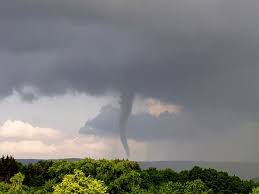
(8,168)
(60,168)
(108,171)
(88,166)
(125,183)
(169,175)
(47,187)
(150,177)
(221,181)
(123,176)
(37,174)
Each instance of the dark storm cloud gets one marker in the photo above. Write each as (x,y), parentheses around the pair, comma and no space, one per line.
(146,127)
(198,54)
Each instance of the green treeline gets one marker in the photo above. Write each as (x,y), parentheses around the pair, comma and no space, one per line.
(91,176)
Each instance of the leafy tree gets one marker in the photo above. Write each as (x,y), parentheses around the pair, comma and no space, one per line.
(4,187)
(195,187)
(8,168)
(151,177)
(196,173)
(191,187)
(169,175)
(220,182)
(122,167)
(37,174)
(184,176)
(110,170)
(255,191)
(78,183)
(88,166)
(138,190)
(60,168)
(121,176)
(171,188)
(47,188)
(125,183)
(105,170)
(16,184)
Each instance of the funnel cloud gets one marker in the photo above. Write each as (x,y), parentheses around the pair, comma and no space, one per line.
(125,111)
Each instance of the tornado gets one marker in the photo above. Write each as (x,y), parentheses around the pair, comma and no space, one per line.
(126,102)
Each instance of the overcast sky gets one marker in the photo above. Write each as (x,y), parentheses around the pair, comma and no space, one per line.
(192,67)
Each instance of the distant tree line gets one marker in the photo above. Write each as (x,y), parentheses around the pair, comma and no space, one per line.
(91,176)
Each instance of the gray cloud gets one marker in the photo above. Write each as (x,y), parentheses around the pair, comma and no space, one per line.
(202,55)
(146,127)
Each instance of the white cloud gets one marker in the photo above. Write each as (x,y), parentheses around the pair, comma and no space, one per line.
(23,140)
(156,107)
(26,147)
(23,130)
(153,106)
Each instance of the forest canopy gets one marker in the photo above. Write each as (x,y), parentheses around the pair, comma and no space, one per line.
(103,176)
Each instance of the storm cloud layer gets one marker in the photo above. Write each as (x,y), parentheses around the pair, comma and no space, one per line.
(201,55)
